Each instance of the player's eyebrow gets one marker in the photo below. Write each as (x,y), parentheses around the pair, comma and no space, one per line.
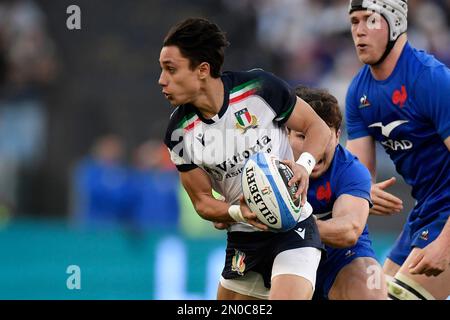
(167,62)
(364,16)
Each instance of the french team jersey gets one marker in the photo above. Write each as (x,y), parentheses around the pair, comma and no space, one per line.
(346,175)
(409,114)
(256,105)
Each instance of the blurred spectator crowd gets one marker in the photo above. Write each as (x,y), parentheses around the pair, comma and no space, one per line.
(28,64)
(108,191)
(314,45)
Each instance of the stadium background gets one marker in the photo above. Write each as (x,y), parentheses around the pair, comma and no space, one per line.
(84,179)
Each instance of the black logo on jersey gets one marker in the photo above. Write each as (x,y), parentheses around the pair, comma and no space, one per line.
(257,198)
(242,156)
(201,138)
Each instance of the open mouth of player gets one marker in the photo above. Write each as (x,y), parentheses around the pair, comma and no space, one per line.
(362,46)
(167,96)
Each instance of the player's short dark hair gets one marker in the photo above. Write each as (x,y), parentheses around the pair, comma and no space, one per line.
(323,103)
(199,40)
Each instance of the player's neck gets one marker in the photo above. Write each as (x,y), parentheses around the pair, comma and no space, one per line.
(384,70)
(211,97)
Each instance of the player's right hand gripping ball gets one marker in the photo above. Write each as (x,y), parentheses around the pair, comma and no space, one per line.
(266,192)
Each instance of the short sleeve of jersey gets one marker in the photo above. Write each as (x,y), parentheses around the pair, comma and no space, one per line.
(356,128)
(278,94)
(433,98)
(354,180)
(175,142)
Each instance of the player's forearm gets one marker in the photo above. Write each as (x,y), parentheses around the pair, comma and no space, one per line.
(211,209)
(339,232)
(316,139)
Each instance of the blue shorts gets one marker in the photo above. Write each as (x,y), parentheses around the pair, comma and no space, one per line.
(418,231)
(336,260)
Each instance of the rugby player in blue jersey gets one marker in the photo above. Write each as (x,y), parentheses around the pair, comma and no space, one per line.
(401,98)
(339,192)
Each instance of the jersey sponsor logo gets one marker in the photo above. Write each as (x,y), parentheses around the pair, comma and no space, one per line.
(324,192)
(301,232)
(243,156)
(257,198)
(238,262)
(396,145)
(399,97)
(364,102)
(245,120)
(387,130)
(210,148)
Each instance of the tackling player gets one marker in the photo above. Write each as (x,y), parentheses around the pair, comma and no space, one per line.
(401,98)
(339,192)
(221,120)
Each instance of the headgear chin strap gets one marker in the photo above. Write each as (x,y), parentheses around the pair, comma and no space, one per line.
(395,12)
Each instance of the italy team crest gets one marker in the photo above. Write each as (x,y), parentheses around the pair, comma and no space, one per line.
(245,120)
(238,263)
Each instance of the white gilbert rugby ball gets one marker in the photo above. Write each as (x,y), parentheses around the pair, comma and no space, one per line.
(266,192)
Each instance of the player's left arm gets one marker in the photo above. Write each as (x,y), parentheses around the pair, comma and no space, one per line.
(349,219)
(317,133)
(296,114)
(317,136)
(435,257)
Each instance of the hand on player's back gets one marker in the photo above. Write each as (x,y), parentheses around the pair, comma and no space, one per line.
(301,178)
(251,216)
(384,203)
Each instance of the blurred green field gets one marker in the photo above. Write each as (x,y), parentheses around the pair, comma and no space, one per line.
(114,264)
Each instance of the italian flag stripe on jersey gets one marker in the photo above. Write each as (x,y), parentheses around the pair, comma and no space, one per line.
(189,122)
(286,113)
(244,90)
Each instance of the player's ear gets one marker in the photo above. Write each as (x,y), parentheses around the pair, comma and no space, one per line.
(204,70)
(338,134)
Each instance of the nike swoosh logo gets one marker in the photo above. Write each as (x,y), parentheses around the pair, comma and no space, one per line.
(387,129)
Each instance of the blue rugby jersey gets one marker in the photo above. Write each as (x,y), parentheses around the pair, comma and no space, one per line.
(409,114)
(346,175)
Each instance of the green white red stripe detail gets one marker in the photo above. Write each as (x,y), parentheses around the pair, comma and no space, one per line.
(244,90)
(286,113)
(189,122)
